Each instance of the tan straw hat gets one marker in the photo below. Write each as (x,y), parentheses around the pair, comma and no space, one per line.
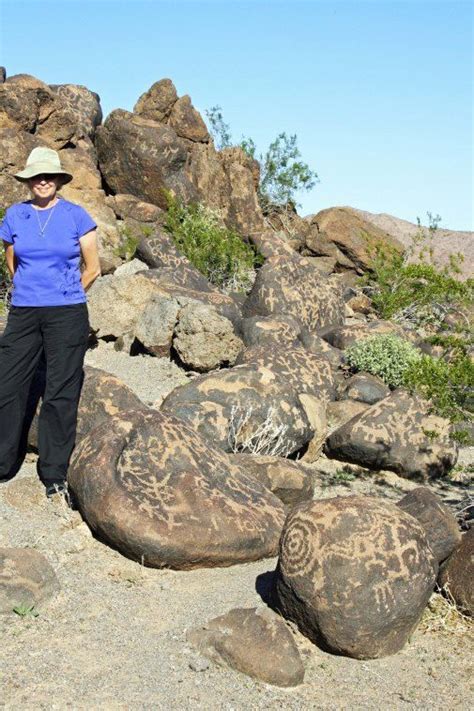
(43,160)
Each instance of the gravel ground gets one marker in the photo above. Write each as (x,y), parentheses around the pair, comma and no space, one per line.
(115,636)
(150,378)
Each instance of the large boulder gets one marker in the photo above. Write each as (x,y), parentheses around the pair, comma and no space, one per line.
(144,158)
(302,370)
(397,433)
(152,488)
(246,408)
(440,525)
(27,580)
(290,285)
(457,574)
(355,573)
(350,234)
(254,641)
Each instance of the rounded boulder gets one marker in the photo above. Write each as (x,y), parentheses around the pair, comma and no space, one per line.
(152,488)
(355,573)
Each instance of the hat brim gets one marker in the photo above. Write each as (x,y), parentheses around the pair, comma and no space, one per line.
(42,168)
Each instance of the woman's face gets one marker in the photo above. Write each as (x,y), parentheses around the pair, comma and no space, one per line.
(44,186)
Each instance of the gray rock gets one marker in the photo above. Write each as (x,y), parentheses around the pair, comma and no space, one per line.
(204,339)
(131,267)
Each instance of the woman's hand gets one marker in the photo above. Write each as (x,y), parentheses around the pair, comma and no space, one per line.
(90,256)
(10,258)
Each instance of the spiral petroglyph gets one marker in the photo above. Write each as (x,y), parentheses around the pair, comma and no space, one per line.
(355,573)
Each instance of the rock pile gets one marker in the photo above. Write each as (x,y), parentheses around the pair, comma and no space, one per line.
(207,479)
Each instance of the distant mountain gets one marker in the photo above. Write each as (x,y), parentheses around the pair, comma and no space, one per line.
(445,242)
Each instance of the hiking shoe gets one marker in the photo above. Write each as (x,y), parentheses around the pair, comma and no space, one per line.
(57,491)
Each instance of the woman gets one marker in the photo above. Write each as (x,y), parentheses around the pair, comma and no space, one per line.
(44,239)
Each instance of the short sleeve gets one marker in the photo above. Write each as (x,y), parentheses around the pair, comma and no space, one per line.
(6,231)
(84,221)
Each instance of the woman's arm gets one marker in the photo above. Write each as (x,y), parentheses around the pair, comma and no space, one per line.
(90,255)
(10,258)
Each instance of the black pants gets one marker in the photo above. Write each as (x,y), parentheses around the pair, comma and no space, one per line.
(61,333)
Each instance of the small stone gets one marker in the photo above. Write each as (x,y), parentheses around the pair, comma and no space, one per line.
(199,664)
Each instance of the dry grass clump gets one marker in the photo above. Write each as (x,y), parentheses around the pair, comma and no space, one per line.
(443,616)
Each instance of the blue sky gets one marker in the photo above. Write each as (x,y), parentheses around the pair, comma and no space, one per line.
(379,93)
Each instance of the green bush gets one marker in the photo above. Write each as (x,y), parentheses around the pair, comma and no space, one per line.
(219,253)
(385,355)
(449,384)
(282,172)
(128,245)
(419,294)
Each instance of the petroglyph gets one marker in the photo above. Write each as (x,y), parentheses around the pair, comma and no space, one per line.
(150,486)
(354,574)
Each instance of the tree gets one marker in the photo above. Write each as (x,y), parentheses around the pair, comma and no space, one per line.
(282,172)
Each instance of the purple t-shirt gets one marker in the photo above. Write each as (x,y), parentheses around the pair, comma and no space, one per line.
(47,272)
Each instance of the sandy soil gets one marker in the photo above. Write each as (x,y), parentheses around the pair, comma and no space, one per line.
(115,636)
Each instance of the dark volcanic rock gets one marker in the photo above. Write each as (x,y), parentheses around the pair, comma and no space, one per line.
(355,573)
(457,574)
(244,404)
(441,527)
(302,370)
(291,285)
(273,330)
(142,157)
(254,641)
(364,387)
(154,489)
(397,433)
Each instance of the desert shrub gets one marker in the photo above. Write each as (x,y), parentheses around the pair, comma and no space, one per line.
(448,383)
(218,252)
(419,294)
(385,355)
(128,245)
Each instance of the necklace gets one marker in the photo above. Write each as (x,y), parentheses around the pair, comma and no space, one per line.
(43,227)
